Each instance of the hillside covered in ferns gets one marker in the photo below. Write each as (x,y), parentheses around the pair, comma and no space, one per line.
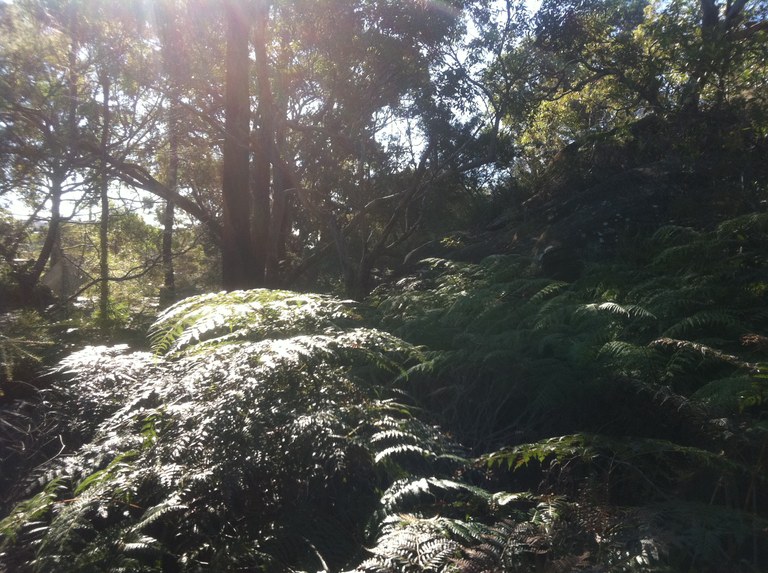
(471,417)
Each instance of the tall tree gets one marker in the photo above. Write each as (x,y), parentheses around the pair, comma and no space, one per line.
(173,58)
(241,268)
(317,168)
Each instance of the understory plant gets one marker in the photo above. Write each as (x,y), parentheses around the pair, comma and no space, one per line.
(24,336)
(678,319)
(641,384)
(616,423)
(237,444)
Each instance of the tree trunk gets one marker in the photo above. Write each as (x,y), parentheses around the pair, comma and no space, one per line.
(240,269)
(52,239)
(714,55)
(168,291)
(279,225)
(263,148)
(29,279)
(171,46)
(104,198)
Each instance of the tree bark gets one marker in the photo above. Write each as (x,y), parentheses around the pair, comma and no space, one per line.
(264,148)
(716,28)
(168,292)
(52,239)
(29,278)
(240,269)
(166,15)
(104,200)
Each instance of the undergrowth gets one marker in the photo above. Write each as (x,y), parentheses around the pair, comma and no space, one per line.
(679,320)
(616,423)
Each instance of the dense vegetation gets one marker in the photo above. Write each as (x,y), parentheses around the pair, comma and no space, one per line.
(495,299)
(278,430)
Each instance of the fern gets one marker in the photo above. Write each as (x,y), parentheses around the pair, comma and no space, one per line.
(281,431)
(408,492)
(750,227)
(29,512)
(590,447)
(626,311)
(23,338)
(706,319)
(239,315)
(219,441)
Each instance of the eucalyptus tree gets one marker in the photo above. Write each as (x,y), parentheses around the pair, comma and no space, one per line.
(668,55)
(330,80)
(603,64)
(298,98)
(325,142)
(367,124)
(173,60)
(110,40)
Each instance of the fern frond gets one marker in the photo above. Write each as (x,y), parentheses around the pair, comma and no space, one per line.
(700,351)
(702,320)
(156,512)
(29,512)
(627,311)
(725,396)
(255,315)
(674,235)
(590,447)
(406,492)
(401,449)
(748,225)
(550,290)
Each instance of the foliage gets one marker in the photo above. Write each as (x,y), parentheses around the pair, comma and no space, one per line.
(239,315)
(615,421)
(668,319)
(23,335)
(263,433)
(646,369)
(134,260)
(224,451)
(603,64)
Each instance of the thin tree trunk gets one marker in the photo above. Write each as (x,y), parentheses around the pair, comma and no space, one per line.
(104,199)
(168,292)
(166,16)
(52,248)
(279,227)
(52,240)
(263,148)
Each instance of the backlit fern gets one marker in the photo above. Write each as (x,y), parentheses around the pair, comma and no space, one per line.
(207,455)
(213,319)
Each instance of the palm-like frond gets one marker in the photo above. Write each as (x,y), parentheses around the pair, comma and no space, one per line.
(214,319)
(247,437)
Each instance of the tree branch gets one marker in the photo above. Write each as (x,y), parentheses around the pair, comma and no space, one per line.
(139,177)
